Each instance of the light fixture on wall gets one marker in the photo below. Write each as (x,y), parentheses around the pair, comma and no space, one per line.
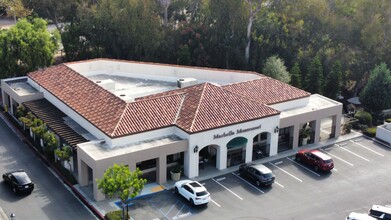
(196,149)
(276,130)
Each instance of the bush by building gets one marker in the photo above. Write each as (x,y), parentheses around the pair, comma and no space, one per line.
(364,118)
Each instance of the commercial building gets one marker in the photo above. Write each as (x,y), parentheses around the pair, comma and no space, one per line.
(154,116)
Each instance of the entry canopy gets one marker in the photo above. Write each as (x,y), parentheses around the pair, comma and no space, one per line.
(237,142)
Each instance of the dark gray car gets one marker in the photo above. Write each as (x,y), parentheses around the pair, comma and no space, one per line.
(257,173)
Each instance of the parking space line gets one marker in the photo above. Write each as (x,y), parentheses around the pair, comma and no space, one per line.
(180,210)
(367,148)
(171,208)
(355,154)
(286,172)
(303,166)
(228,189)
(336,157)
(279,184)
(215,203)
(247,182)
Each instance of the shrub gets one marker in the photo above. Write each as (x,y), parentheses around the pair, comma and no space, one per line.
(362,127)
(371,132)
(347,128)
(388,120)
(364,118)
(115,215)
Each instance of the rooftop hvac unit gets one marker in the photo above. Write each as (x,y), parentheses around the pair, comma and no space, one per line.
(185,82)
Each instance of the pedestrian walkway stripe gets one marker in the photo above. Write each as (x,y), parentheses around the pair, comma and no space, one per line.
(368,148)
(228,189)
(286,172)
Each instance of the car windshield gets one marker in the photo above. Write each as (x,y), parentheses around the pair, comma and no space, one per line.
(202,193)
(328,161)
(22,177)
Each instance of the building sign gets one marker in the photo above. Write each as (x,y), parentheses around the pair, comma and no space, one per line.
(238,131)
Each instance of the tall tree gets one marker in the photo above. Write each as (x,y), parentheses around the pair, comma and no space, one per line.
(254,7)
(226,21)
(332,85)
(275,68)
(118,181)
(314,77)
(296,75)
(377,92)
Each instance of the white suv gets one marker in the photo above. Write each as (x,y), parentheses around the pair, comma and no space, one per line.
(192,191)
(359,216)
(380,212)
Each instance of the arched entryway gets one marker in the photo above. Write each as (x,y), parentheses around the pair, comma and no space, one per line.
(208,158)
(236,151)
(261,145)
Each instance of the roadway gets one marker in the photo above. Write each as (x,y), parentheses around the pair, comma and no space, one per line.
(51,199)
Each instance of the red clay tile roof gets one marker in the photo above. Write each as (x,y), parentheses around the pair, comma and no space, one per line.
(207,106)
(91,101)
(267,90)
(193,109)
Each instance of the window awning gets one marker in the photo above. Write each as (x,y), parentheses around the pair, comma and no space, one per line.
(237,142)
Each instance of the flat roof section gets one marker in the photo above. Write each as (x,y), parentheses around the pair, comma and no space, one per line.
(21,87)
(130,88)
(315,103)
(97,151)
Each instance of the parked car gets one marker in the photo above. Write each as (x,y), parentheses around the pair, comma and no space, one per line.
(257,173)
(192,191)
(380,212)
(19,181)
(316,159)
(359,216)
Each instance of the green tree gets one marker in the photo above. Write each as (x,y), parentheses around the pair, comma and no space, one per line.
(377,92)
(333,82)
(296,75)
(64,154)
(275,68)
(26,47)
(51,144)
(314,77)
(118,181)
(184,56)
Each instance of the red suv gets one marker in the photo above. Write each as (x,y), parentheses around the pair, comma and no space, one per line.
(316,159)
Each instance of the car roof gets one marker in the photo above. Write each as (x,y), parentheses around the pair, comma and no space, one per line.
(196,186)
(261,168)
(321,155)
(380,208)
(21,176)
(359,216)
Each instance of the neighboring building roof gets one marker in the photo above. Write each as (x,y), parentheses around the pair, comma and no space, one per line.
(267,90)
(197,108)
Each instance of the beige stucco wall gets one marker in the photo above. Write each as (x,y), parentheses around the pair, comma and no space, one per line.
(99,166)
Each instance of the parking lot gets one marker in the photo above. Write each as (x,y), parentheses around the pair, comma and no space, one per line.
(361,178)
